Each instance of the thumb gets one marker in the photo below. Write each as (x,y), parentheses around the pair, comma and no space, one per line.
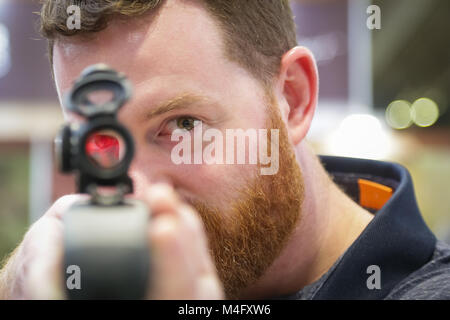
(45,279)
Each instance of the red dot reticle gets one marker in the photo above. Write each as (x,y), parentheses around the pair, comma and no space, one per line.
(103,150)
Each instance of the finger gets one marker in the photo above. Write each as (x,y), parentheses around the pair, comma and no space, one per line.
(195,235)
(208,287)
(44,280)
(161,198)
(44,250)
(63,204)
(174,271)
(207,284)
(184,257)
(181,249)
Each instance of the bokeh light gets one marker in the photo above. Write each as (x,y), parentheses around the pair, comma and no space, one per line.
(398,114)
(360,136)
(424,112)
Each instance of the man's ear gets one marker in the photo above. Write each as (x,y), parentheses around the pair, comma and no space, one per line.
(298,83)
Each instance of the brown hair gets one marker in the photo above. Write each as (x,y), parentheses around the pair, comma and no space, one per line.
(256,32)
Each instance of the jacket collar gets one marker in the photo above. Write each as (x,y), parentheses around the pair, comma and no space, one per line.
(397,240)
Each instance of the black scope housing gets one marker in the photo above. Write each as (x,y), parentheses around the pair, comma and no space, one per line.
(72,153)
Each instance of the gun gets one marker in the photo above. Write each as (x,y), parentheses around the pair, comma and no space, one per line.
(105,236)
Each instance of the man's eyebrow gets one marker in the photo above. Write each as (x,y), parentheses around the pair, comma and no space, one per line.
(182,101)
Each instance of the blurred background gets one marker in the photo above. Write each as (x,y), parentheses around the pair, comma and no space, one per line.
(384,94)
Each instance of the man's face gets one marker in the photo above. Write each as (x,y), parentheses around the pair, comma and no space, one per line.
(175,60)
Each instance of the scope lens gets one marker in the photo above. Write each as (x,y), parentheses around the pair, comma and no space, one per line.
(106,149)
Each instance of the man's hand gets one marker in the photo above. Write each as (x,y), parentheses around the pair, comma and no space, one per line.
(182,263)
(182,266)
(34,270)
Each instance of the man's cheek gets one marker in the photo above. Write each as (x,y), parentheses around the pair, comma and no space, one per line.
(215,185)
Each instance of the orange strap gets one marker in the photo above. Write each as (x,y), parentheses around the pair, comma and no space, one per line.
(373,195)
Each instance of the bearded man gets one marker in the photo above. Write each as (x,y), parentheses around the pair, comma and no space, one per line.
(319,228)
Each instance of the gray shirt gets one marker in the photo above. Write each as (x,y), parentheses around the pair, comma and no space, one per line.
(432,281)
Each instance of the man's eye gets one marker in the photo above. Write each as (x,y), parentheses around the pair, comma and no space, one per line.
(187,123)
(184,123)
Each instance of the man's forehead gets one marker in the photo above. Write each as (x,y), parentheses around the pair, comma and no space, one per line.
(179,37)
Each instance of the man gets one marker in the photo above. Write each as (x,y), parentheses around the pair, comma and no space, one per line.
(226,230)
